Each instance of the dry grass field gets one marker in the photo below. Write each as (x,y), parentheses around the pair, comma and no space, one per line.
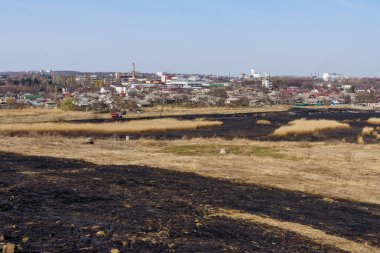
(333,170)
(140,126)
(325,192)
(35,115)
(304,126)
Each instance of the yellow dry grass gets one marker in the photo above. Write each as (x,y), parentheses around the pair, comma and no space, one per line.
(137,126)
(374,121)
(334,170)
(263,122)
(368,131)
(360,139)
(313,234)
(35,115)
(304,126)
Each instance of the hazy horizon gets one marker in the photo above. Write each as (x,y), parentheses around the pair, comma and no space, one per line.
(295,37)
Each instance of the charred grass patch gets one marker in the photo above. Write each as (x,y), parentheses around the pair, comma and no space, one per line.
(143,209)
(333,169)
(326,125)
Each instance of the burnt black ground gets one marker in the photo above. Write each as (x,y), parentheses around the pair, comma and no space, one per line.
(58,202)
(243,125)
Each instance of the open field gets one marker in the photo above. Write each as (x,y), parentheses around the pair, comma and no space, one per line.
(286,197)
(36,115)
(336,170)
(172,192)
(141,126)
(245,126)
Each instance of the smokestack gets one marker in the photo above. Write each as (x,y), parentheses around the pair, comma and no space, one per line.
(134,72)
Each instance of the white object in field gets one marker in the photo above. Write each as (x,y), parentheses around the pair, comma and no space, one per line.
(127,138)
(89,141)
(223,151)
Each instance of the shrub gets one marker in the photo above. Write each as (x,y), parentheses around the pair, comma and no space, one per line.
(67,104)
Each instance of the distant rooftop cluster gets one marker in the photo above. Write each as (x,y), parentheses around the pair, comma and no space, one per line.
(134,90)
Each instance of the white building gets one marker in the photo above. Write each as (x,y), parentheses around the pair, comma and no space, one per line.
(117,76)
(46,72)
(346,87)
(326,77)
(254,74)
(267,84)
(120,88)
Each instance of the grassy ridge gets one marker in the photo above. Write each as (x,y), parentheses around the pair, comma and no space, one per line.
(139,126)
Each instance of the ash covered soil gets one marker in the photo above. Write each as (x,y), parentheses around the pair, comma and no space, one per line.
(243,125)
(58,205)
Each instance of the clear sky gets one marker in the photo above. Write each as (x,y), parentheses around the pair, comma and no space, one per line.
(295,37)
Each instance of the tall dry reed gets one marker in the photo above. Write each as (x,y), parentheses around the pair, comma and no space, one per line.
(138,126)
(304,126)
(374,121)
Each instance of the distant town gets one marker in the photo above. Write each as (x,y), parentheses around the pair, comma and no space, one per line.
(133,90)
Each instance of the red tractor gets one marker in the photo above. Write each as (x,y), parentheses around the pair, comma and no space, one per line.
(116,115)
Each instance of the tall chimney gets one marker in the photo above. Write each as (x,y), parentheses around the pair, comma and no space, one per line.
(134,72)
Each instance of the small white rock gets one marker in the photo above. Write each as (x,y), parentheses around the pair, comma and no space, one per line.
(89,141)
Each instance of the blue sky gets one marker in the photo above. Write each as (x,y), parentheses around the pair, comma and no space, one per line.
(294,37)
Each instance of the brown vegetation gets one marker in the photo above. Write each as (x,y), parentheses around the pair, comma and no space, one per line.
(374,121)
(154,125)
(34,115)
(368,131)
(304,126)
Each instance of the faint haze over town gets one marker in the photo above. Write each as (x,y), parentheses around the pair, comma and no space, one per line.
(292,37)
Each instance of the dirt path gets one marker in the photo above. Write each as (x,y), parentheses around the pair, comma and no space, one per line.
(49,204)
